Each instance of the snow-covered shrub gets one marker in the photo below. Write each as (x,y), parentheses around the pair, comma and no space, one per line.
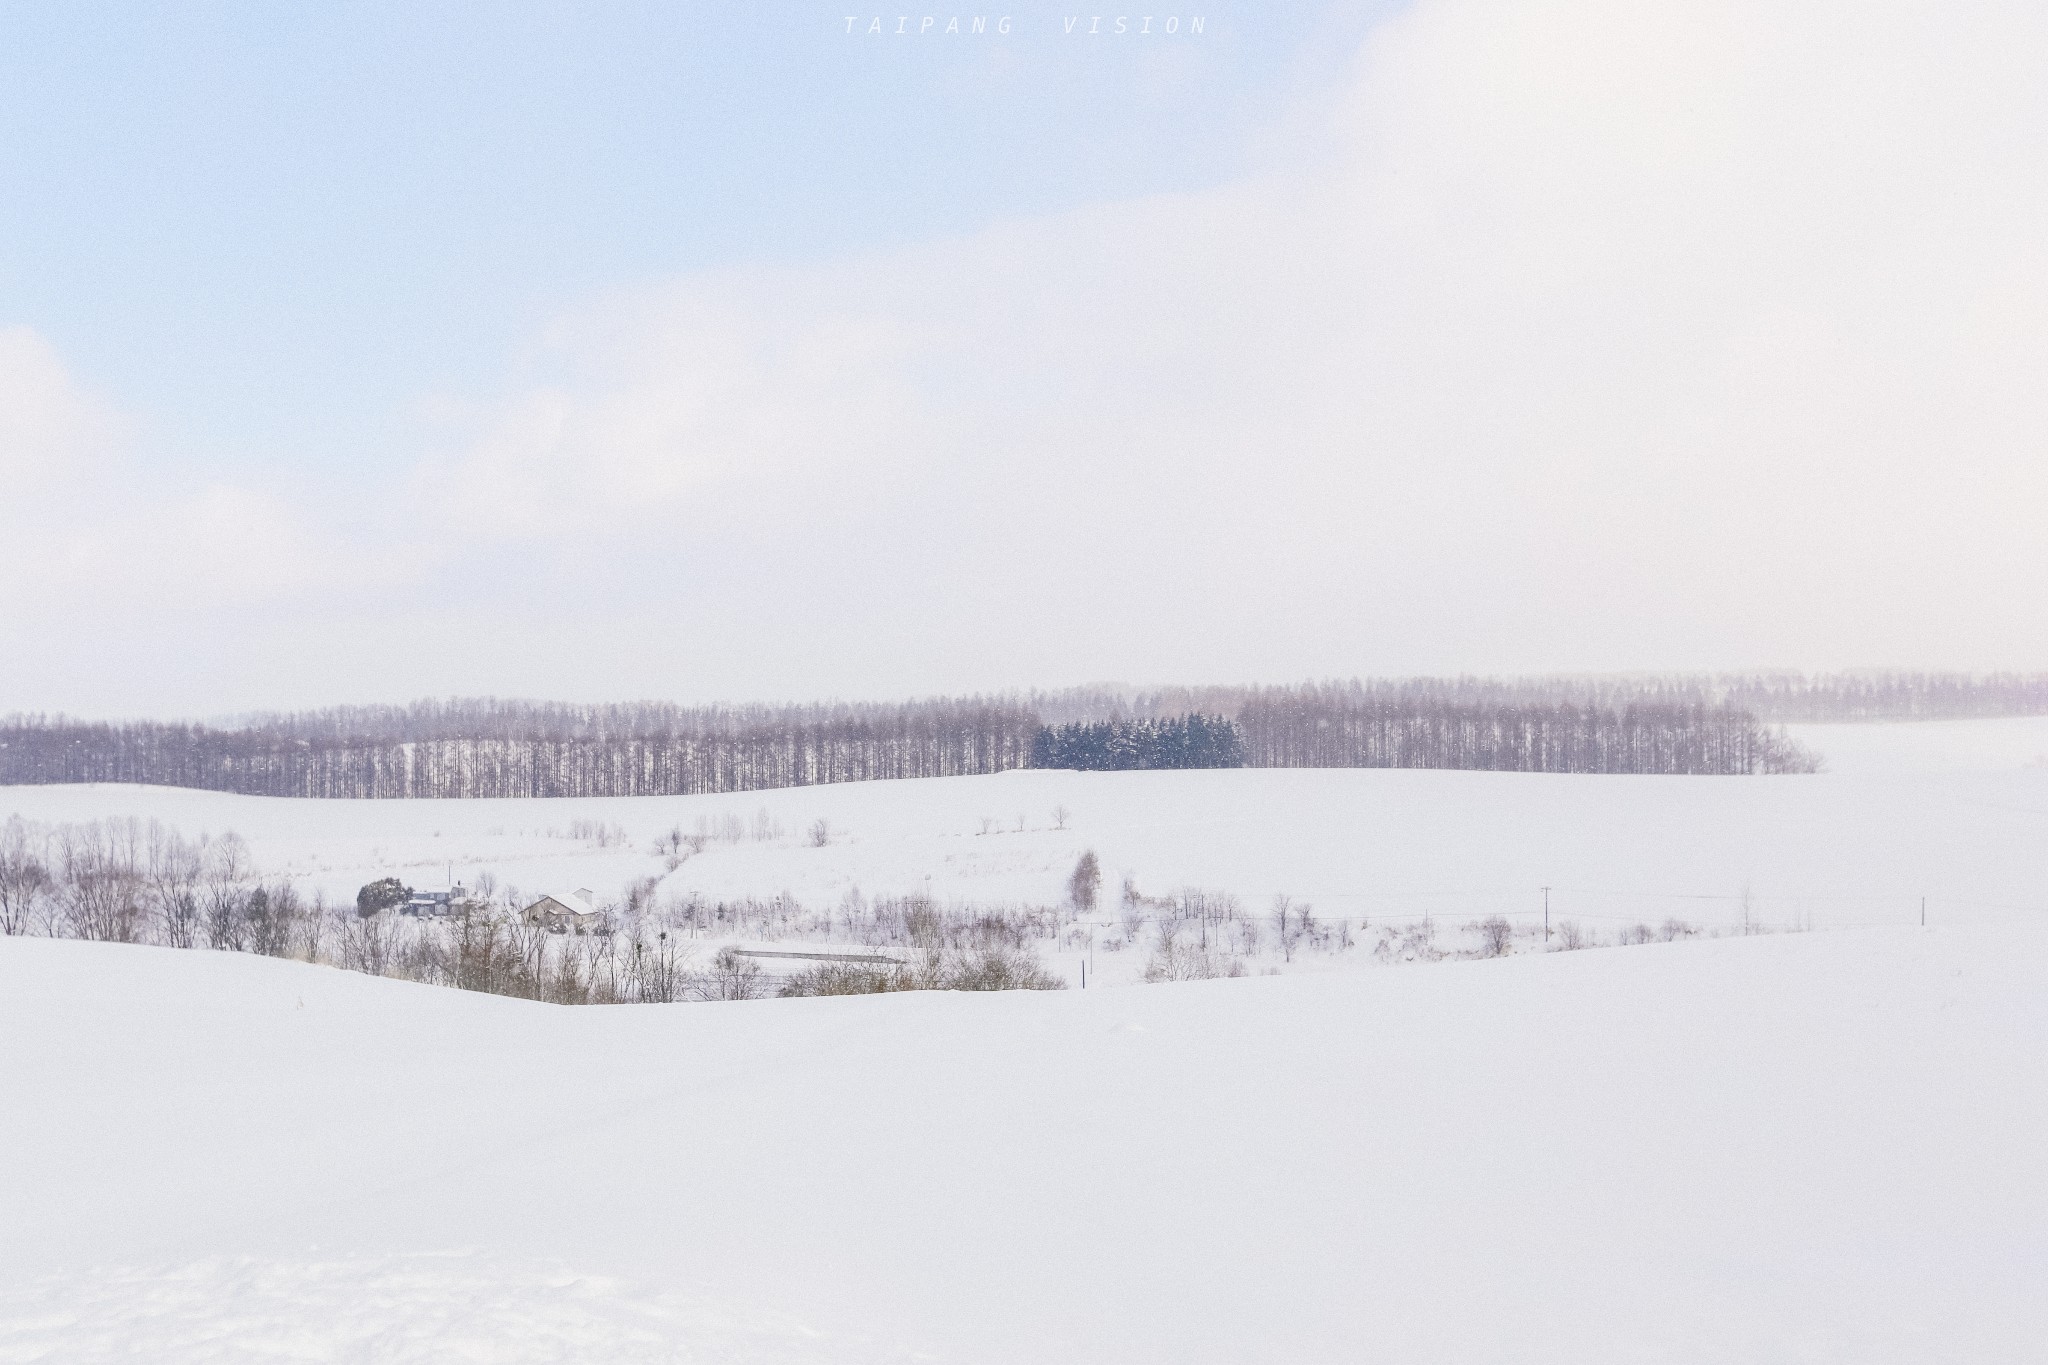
(1409,943)
(848,978)
(997,967)
(1185,960)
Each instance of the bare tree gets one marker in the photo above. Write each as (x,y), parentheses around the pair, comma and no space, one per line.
(1290,924)
(366,943)
(1494,936)
(173,874)
(24,879)
(271,916)
(657,970)
(1248,934)
(732,977)
(925,929)
(1131,915)
(1085,882)
(100,889)
(223,891)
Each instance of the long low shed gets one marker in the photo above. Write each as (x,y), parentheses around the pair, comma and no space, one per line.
(876,959)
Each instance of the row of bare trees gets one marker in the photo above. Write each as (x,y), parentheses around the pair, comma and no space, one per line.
(1683,723)
(1314,727)
(494,749)
(123,881)
(1339,725)
(1772,698)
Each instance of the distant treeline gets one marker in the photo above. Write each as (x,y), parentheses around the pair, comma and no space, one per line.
(1312,727)
(497,748)
(1773,698)
(1122,745)
(1889,696)
(479,748)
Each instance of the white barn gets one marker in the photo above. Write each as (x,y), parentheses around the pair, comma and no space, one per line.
(564,912)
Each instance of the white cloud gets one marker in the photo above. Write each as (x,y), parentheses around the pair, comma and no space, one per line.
(49,426)
(1616,335)
(1610,335)
(93,540)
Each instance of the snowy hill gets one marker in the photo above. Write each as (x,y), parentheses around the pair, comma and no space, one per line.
(1955,812)
(1813,1147)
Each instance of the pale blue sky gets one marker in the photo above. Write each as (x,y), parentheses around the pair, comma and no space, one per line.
(358,352)
(267,231)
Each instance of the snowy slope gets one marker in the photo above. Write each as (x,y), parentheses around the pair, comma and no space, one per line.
(1819,1147)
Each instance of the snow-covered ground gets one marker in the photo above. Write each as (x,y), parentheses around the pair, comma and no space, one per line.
(1791,1147)
(1932,746)
(1955,812)
(1812,1147)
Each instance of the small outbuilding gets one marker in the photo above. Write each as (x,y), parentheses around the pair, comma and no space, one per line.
(434,904)
(563,912)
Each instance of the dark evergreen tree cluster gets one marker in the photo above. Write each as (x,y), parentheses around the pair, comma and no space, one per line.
(1193,741)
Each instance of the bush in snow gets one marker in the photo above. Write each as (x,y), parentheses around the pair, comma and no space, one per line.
(998,967)
(1494,936)
(1178,959)
(849,978)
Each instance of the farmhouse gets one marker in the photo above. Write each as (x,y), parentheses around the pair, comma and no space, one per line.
(435,903)
(564,912)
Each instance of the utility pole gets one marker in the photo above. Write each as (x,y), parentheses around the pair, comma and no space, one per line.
(1546,914)
(1923,912)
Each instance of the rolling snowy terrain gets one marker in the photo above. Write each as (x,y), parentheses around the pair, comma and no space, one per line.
(1804,1147)
(1788,1147)
(1955,813)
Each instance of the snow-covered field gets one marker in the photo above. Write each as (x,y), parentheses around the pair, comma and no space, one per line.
(1810,1147)
(1956,813)
(1790,1147)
